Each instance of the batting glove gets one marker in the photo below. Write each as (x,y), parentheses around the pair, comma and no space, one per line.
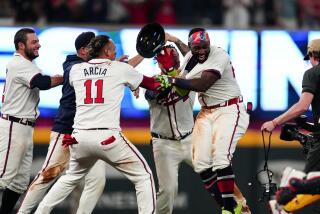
(68,140)
(165,81)
(168,58)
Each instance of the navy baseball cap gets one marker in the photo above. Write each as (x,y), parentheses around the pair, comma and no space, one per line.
(83,39)
(313,46)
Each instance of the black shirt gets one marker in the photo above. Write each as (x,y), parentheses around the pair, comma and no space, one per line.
(64,119)
(311,84)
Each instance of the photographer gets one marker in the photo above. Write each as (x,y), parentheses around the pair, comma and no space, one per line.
(310,95)
(288,194)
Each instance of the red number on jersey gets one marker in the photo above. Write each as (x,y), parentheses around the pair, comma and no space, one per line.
(234,75)
(99,86)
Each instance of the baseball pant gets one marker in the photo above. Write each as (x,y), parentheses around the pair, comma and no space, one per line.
(56,160)
(168,155)
(112,147)
(16,152)
(215,136)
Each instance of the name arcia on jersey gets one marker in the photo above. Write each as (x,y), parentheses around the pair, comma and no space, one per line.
(94,71)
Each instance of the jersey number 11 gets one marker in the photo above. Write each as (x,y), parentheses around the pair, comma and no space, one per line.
(98,99)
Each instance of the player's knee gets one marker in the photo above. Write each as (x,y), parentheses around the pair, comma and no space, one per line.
(168,192)
(169,189)
(199,165)
(96,182)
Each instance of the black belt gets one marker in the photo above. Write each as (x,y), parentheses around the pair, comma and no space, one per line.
(23,121)
(170,138)
(96,129)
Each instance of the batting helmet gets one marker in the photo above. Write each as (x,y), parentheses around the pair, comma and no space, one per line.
(150,40)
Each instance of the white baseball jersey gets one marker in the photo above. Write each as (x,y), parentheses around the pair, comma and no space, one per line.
(226,87)
(99,86)
(18,99)
(172,116)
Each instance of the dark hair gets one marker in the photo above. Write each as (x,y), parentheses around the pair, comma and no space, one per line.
(83,39)
(197,29)
(21,36)
(96,45)
(315,54)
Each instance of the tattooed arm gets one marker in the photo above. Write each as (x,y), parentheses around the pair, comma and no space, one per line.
(183,48)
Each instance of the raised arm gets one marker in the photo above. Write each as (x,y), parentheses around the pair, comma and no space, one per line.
(183,48)
(136,60)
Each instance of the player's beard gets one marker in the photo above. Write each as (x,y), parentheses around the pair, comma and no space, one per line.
(201,56)
(30,54)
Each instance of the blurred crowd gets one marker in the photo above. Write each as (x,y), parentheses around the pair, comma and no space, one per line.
(290,14)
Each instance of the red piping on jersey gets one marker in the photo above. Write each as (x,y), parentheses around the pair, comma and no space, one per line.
(4,89)
(169,116)
(8,150)
(38,175)
(35,109)
(234,130)
(175,118)
(149,83)
(204,102)
(146,168)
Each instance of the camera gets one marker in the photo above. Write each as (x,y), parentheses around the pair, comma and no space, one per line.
(290,132)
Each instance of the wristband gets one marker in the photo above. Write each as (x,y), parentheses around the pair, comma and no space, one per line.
(173,81)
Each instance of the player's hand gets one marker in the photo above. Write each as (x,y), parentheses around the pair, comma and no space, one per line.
(136,93)
(268,126)
(165,81)
(167,59)
(68,140)
(123,58)
(56,80)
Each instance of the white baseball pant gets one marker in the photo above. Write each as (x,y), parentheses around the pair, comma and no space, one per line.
(215,136)
(168,155)
(56,160)
(16,152)
(112,147)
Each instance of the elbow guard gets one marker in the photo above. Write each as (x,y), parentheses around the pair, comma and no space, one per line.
(43,82)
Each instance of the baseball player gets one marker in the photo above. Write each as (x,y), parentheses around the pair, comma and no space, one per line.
(58,155)
(222,120)
(99,87)
(171,122)
(19,112)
